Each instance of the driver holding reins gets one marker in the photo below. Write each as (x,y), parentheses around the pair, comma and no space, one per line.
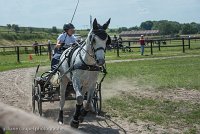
(64,41)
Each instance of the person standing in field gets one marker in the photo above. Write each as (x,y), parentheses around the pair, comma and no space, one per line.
(35,45)
(142,44)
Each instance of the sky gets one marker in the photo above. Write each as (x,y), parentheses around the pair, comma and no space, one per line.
(123,13)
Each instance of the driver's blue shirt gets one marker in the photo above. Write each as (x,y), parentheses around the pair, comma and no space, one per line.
(65,38)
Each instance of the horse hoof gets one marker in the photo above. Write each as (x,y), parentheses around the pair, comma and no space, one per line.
(60,123)
(60,117)
(74,123)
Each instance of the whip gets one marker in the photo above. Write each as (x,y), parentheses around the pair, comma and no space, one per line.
(75,11)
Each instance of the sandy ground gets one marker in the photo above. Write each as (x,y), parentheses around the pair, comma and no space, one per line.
(15,90)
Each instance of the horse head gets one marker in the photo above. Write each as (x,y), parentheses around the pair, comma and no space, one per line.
(99,39)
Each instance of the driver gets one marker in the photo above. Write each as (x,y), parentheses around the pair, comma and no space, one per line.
(64,41)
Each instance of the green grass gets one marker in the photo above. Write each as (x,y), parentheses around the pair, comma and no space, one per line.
(160,74)
(8,132)
(162,112)
(9,62)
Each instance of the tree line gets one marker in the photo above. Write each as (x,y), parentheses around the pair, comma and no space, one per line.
(16,28)
(165,27)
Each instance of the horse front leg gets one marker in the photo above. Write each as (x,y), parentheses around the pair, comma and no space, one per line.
(88,105)
(79,98)
(63,85)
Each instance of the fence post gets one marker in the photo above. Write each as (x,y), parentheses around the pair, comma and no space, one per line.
(49,49)
(40,50)
(159,45)
(183,43)
(189,42)
(117,49)
(129,44)
(18,60)
(151,47)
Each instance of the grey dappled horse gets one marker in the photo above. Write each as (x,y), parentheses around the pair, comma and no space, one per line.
(85,61)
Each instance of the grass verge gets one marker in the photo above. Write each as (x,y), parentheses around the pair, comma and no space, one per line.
(167,113)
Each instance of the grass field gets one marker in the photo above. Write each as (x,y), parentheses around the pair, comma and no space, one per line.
(157,76)
(160,74)
(10,61)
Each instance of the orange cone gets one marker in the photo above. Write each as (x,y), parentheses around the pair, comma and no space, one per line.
(30,57)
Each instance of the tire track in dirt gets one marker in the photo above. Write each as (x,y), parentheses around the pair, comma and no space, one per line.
(15,87)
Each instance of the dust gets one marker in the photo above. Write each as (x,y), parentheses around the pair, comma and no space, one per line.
(120,86)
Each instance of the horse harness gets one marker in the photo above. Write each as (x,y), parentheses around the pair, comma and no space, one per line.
(85,66)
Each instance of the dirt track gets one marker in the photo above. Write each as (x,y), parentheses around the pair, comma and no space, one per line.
(15,90)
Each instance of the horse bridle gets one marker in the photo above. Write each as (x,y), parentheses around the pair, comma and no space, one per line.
(91,39)
(92,42)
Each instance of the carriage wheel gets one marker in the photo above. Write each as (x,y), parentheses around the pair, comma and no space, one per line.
(33,98)
(97,100)
(39,101)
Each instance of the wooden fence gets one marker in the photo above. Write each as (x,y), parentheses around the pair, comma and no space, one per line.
(186,42)
(26,49)
(126,44)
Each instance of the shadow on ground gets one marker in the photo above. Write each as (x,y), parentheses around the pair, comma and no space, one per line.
(92,123)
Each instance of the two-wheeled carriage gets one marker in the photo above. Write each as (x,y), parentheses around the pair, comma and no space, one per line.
(43,90)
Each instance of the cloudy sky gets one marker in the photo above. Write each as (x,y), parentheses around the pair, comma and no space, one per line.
(48,13)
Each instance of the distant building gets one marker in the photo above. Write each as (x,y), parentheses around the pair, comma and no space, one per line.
(138,33)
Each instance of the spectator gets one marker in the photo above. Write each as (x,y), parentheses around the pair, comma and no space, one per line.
(120,41)
(35,45)
(115,41)
(142,44)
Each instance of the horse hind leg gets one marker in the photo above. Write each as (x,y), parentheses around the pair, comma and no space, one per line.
(63,86)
